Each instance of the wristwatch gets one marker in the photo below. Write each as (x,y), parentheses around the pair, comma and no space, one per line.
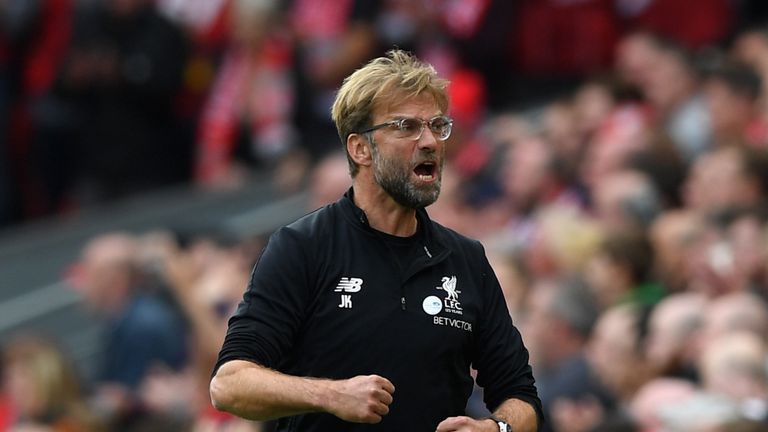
(503,426)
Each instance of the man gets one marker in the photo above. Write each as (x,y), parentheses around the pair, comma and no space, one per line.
(366,311)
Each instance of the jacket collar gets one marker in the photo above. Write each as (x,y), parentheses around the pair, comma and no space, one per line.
(434,245)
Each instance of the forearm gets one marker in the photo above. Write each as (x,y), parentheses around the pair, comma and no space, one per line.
(520,415)
(254,392)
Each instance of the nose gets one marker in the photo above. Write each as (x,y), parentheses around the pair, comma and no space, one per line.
(427,140)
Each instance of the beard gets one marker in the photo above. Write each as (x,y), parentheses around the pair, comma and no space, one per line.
(395,178)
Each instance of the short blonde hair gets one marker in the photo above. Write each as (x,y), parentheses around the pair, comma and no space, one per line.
(399,75)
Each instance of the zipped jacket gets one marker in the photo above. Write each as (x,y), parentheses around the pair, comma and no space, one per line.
(328,299)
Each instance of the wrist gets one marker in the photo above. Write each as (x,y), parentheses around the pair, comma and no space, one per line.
(493,426)
(501,425)
(324,395)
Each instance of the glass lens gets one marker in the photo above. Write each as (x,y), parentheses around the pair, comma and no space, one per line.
(441,127)
(409,127)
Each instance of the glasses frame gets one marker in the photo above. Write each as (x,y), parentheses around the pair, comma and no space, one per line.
(428,123)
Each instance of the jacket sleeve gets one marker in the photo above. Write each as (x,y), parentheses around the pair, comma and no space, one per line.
(266,321)
(501,357)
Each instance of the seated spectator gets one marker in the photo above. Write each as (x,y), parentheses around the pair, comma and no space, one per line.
(43,388)
(556,327)
(246,121)
(733,365)
(665,73)
(143,331)
(654,397)
(615,350)
(625,200)
(732,91)
(726,178)
(329,180)
(673,325)
(673,236)
(206,275)
(735,312)
(615,366)
(620,271)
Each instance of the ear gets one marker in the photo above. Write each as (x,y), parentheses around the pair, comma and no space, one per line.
(359,149)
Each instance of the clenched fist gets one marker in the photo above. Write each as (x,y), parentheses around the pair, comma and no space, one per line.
(361,399)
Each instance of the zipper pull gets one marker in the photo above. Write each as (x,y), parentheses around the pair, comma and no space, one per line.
(402,302)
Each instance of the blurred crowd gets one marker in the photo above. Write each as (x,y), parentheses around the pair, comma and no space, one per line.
(612,156)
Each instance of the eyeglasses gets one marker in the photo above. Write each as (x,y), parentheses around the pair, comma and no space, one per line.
(412,128)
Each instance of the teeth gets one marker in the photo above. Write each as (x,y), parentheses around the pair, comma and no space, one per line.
(425,177)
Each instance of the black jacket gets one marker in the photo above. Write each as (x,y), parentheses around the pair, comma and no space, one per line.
(329,299)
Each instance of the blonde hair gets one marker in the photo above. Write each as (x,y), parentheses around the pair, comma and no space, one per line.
(398,76)
(53,378)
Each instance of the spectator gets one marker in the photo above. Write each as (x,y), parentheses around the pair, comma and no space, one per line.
(625,201)
(559,318)
(656,396)
(615,361)
(672,89)
(205,275)
(734,366)
(615,351)
(620,271)
(733,92)
(143,332)
(246,122)
(560,241)
(329,180)
(673,327)
(673,235)
(725,178)
(332,39)
(735,312)
(44,388)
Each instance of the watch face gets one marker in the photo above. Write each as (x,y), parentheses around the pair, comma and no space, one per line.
(503,427)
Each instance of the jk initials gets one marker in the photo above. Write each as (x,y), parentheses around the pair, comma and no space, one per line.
(346,301)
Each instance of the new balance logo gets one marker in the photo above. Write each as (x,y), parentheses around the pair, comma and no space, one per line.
(350,285)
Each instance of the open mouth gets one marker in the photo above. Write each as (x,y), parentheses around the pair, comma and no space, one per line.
(426,171)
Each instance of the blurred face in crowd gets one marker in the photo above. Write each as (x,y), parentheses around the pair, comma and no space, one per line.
(608,279)
(734,365)
(669,82)
(624,132)
(655,396)
(672,325)
(38,380)
(635,58)
(717,181)
(251,20)
(673,235)
(538,325)
(593,103)
(614,352)
(735,312)
(752,48)
(527,170)
(729,112)
(330,179)
(408,170)
(106,270)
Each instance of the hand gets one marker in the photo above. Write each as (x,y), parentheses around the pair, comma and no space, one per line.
(467,424)
(362,399)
